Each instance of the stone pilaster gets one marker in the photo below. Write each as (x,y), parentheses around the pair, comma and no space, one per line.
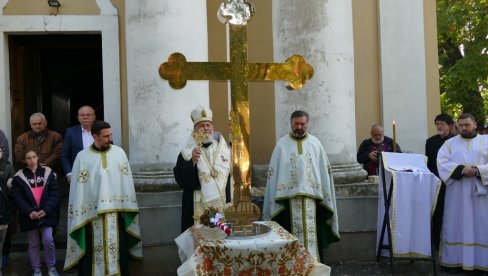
(159,116)
(403,72)
(322,32)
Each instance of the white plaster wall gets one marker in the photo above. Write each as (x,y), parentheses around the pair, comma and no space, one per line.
(403,79)
(105,24)
(5,123)
(159,116)
(321,31)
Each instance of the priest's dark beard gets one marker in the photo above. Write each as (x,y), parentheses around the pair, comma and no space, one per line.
(298,133)
(468,135)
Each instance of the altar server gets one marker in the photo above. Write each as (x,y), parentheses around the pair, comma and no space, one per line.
(463,165)
(103,215)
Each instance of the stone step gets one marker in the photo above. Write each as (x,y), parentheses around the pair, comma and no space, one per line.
(360,189)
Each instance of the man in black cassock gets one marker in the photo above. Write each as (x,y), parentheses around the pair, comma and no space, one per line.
(203,169)
(444,124)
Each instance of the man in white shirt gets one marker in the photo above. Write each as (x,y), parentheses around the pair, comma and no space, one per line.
(77,138)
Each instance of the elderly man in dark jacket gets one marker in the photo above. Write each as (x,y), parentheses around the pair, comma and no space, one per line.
(370,148)
(48,143)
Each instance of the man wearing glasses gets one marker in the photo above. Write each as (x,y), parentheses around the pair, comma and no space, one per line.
(443,124)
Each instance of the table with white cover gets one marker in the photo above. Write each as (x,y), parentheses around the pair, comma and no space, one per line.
(208,251)
(413,200)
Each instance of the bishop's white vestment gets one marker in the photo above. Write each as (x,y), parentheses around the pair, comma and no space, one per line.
(101,190)
(213,173)
(464,241)
(300,192)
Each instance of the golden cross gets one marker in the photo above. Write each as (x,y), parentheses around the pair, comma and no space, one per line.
(294,70)
(200,137)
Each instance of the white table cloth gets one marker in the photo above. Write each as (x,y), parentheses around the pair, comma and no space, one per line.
(414,197)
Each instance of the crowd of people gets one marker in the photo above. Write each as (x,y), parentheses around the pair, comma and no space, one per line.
(299,194)
(101,196)
(458,156)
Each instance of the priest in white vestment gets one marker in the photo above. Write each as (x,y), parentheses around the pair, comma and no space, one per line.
(463,165)
(103,223)
(203,169)
(300,193)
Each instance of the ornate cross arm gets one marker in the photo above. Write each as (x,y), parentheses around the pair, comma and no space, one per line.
(295,70)
(177,71)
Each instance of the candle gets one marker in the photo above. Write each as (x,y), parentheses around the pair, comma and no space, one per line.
(394,136)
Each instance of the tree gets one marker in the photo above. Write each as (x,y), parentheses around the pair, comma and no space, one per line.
(462,27)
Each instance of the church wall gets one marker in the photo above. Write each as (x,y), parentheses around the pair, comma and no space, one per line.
(366,67)
(323,33)
(159,120)
(403,72)
(120,6)
(432,65)
(369,105)
(71,7)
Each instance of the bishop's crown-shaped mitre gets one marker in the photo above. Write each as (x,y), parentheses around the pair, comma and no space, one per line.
(200,114)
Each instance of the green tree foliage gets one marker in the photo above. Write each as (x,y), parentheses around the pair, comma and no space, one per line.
(462,27)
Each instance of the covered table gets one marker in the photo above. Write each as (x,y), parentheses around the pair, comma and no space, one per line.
(413,197)
(208,251)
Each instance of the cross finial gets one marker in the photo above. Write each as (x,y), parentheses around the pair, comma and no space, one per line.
(235,12)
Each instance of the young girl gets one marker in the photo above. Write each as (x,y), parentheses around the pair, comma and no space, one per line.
(35,192)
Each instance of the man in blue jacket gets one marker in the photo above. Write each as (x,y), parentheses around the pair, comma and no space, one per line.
(77,138)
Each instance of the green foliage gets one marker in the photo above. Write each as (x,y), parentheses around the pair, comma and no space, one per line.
(462,27)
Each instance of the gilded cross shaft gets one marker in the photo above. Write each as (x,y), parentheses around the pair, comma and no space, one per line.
(294,70)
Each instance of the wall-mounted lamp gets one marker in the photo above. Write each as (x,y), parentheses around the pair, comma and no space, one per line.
(54,3)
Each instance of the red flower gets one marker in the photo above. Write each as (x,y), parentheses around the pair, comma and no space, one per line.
(223,159)
(227,271)
(207,265)
(282,270)
(299,265)
(246,272)
(264,272)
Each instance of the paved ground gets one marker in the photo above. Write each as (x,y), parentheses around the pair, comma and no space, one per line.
(19,266)
(401,267)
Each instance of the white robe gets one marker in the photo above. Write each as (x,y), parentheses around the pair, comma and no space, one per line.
(212,192)
(300,169)
(464,240)
(101,188)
